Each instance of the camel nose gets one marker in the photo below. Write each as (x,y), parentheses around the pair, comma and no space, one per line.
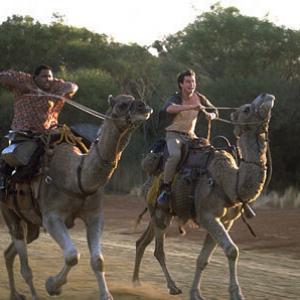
(149,109)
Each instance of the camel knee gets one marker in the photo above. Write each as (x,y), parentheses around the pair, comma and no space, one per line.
(202,264)
(159,254)
(10,253)
(97,263)
(232,252)
(139,243)
(72,258)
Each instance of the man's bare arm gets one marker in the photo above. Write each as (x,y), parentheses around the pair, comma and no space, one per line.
(176,108)
(64,88)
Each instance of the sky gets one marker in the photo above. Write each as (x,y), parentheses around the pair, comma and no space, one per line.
(144,21)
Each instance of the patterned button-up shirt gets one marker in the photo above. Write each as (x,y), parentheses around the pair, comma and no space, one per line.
(32,111)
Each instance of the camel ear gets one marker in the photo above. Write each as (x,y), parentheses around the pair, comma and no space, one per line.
(111,101)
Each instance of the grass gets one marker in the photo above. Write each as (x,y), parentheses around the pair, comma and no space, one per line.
(290,198)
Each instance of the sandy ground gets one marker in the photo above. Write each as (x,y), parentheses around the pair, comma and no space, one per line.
(269,265)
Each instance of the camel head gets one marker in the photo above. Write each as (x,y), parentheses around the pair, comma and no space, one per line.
(254,116)
(126,112)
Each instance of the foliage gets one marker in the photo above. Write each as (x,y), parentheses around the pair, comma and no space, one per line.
(236,57)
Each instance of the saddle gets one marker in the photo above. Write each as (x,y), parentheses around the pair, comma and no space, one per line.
(23,180)
(192,157)
(196,155)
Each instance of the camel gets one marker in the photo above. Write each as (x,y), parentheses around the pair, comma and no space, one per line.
(219,197)
(70,189)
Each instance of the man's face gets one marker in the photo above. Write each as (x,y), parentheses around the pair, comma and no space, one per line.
(44,79)
(188,85)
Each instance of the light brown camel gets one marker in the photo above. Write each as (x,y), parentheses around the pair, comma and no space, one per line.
(73,190)
(218,197)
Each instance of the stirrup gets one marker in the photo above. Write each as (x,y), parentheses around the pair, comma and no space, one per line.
(163,200)
(3,184)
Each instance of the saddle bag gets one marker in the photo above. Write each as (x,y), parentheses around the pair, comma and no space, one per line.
(21,148)
(19,154)
(151,163)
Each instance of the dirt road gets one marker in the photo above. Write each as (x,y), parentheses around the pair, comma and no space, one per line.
(269,265)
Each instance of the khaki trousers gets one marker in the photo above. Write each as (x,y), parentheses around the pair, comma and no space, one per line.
(174,143)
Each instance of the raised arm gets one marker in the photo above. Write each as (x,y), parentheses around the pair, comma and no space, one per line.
(14,80)
(64,88)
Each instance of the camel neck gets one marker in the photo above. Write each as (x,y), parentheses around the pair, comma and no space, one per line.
(253,147)
(252,169)
(104,155)
(112,141)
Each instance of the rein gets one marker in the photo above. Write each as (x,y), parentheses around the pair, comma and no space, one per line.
(73,103)
(77,105)
(237,123)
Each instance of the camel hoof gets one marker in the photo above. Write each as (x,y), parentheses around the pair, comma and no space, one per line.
(175,291)
(136,283)
(52,288)
(236,293)
(237,297)
(195,295)
(17,296)
(106,296)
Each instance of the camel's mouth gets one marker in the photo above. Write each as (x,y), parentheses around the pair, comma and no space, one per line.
(143,116)
(264,100)
(263,105)
(255,112)
(148,114)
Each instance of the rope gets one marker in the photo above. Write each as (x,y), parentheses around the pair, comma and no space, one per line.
(208,130)
(72,103)
(248,225)
(221,107)
(66,135)
(237,123)
(103,116)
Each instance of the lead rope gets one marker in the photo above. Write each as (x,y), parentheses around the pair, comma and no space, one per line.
(248,225)
(208,130)
(77,105)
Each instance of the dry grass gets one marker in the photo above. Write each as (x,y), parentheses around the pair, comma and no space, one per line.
(290,198)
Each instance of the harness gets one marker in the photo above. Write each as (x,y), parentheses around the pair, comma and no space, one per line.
(110,166)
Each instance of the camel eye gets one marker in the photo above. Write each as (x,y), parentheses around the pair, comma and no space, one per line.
(123,106)
(246,110)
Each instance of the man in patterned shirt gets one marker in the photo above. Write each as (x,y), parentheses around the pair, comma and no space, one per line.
(33,111)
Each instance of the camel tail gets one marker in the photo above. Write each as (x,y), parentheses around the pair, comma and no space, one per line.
(138,220)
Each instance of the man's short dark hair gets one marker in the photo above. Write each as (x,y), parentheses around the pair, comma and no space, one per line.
(181,76)
(39,68)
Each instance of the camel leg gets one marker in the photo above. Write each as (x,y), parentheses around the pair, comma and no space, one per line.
(219,233)
(21,247)
(209,246)
(18,232)
(9,255)
(160,255)
(58,230)
(202,261)
(141,244)
(15,229)
(94,231)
